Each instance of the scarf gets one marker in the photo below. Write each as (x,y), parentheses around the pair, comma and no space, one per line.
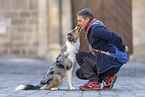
(90,24)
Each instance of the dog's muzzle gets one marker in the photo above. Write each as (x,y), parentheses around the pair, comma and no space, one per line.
(78,26)
(72,35)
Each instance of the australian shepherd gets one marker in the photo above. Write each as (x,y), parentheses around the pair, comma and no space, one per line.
(63,65)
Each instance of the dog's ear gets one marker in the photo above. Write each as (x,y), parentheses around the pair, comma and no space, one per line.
(70,37)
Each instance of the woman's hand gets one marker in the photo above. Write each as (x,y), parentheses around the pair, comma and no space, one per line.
(126,48)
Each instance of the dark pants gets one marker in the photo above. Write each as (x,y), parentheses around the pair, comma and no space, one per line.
(88,70)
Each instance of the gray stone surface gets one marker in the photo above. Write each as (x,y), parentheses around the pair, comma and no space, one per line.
(13,72)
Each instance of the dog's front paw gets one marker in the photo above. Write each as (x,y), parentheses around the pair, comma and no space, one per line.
(72,88)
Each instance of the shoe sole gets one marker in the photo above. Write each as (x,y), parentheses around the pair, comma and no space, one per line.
(90,89)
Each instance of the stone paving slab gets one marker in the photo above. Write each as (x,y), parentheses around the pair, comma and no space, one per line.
(124,87)
(14,72)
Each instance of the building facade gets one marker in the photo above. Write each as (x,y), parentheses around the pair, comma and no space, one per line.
(34,28)
(38,28)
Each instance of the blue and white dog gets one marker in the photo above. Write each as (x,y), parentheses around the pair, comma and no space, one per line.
(63,65)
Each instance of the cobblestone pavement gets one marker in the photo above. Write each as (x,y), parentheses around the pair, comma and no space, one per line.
(13,72)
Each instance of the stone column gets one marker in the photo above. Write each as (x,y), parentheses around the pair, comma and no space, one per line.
(138,21)
(54,29)
(66,18)
(42,28)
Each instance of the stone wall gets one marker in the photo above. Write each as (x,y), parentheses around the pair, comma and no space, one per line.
(34,28)
(138,22)
(18,28)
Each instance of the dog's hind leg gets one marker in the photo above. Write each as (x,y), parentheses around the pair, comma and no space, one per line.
(69,78)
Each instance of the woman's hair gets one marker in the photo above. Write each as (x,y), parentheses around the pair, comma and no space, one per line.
(85,13)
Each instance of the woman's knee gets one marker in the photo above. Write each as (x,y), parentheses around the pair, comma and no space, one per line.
(80,74)
(79,58)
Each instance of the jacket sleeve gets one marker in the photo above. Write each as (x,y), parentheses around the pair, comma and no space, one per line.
(101,32)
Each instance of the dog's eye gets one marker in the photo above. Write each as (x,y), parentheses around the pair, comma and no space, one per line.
(69,34)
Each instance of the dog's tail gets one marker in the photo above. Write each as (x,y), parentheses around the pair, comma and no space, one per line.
(52,82)
(28,87)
